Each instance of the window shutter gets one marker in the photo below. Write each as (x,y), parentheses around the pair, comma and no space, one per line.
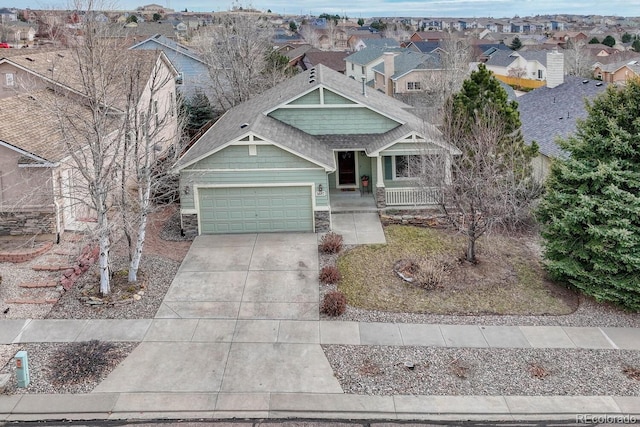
(388,168)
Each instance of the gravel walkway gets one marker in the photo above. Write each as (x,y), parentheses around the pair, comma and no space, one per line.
(378,370)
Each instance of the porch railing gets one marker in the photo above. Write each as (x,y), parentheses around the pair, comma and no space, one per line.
(412,196)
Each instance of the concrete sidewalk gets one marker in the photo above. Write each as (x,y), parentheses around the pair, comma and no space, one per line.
(238,335)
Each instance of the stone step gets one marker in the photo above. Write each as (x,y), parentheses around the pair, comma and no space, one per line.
(32,301)
(51,267)
(31,285)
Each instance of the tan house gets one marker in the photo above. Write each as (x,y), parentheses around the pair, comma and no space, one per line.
(406,72)
(40,183)
(618,72)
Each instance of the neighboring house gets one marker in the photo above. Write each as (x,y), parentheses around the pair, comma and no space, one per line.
(333,60)
(142,31)
(427,36)
(7,15)
(360,64)
(381,43)
(550,113)
(193,70)
(425,47)
(39,182)
(17,32)
(407,72)
(271,164)
(357,41)
(618,72)
(526,65)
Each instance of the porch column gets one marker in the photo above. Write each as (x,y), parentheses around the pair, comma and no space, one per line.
(381,198)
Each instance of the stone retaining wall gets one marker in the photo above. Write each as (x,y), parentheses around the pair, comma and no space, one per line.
(427,220)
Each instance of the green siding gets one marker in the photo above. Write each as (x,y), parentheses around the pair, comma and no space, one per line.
(255,210)
(309,99)
(333,98)
(237,157)
(195,178)
(331,121)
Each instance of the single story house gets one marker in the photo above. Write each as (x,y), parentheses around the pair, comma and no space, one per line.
(271,163)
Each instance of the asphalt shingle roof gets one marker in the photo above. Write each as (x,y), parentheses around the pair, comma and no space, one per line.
(550,113)
(408,61)
(369,54)
(501,58)
(251,116)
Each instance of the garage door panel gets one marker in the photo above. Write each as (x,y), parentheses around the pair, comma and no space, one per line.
(255,209)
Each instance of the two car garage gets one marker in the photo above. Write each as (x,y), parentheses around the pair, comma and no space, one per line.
(259,209)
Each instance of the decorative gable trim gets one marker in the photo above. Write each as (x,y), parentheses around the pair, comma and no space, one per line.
(416,138)
(355,103)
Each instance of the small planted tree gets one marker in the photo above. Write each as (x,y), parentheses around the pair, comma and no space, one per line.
(489,184)
(609,41)
(591,226)
(516,43)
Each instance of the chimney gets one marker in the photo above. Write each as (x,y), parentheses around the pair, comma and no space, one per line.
(555,68)
(389,70)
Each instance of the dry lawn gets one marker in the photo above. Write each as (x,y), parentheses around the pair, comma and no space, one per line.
(508,278)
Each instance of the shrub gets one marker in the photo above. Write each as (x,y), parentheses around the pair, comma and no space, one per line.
(331,243)
(330,274)
(74,362)
(334,304)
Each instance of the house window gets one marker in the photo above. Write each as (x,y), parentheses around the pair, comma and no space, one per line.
(353,67)
(410,166)
(414,86)
(172,104)
(363,71)
(180,79)
(540,74)
(8,79)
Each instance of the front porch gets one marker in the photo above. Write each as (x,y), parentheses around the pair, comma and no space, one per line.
(346,201)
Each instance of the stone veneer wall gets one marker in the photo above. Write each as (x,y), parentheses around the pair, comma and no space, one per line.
(27,223)
(323,221)
(381,198)
(190,225)
(426,220)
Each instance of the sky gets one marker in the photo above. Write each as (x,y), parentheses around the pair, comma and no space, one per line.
(389,8)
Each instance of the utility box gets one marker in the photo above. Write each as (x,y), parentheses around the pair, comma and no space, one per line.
(22,368)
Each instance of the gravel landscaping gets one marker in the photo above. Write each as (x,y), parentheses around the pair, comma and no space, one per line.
(42,365)
(382,370)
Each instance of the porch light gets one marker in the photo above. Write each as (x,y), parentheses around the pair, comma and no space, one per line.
(186,189)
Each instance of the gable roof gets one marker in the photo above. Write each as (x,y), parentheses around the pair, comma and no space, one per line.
(170,44)
(333,60)
(252,117)
(370,54)
(502,58)
(425,46)
(632,64)
(405,62)
(549,113)
(382,43)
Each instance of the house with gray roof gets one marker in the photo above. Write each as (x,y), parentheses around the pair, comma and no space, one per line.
(194,72)
(274,162)
(531,65)
(550,113)
(360,64)
(406,72)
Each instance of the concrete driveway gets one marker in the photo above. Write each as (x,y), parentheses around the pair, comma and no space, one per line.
(241,316)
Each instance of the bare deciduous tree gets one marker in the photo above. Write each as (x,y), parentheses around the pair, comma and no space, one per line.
(577,59)
(237,53)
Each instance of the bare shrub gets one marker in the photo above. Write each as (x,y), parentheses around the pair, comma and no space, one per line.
(459,368)
(538,371)
(631,372)
(334,304)
(330,274)
(427,273)
(75,362)
(331,243)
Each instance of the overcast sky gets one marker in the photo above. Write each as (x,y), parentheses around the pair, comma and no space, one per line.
(367,8)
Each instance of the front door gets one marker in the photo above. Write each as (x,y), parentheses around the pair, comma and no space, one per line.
(346,168)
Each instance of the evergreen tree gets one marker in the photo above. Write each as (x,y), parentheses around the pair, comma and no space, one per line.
(199,112)
(491,182)
(626,38)
(292,26)
(609,41)
(636,45)
(591,211)
(360,22)
(594,40)
(516,43)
